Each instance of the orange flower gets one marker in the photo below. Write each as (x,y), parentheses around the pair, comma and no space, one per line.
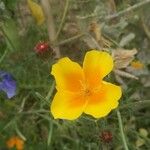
(83,89)
(15,142)
(137,64)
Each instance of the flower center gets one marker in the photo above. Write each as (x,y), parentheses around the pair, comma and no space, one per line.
(86,92)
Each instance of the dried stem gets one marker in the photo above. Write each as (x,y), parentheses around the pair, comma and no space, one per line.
(129,9)
(50,24)
(117,14)
(71,39)
(63,19)
(125,74)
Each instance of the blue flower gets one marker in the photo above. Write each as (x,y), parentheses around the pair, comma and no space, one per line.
(7,84)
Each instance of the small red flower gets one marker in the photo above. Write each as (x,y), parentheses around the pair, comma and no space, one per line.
(41,47)
(43,50)
(106,136)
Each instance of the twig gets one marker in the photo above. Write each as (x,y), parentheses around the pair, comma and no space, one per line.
(94,42)
(121,130)
(129,9)
(63,19)
(117,14)
(50,24)
(70,39)
(125,74)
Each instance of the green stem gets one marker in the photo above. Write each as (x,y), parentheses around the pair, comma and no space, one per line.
(3,56)
(50,133)
(121,130)
(8,39)
(50,91)
(33,112)
(137,104)
(19,132)
(63,19)
(41,97)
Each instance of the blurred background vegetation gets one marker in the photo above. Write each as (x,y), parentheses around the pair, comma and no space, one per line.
(71,27)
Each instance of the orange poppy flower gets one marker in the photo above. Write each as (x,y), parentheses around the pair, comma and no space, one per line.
(15,142)
(82,90)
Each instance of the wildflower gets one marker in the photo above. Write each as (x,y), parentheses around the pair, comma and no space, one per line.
(7,84)
(41,47)
(82,89)
(16,142)
(137,64)
(43,50)
(106,136)
(36,11)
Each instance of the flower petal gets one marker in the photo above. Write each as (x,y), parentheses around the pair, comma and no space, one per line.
(66,105)
(103,101)
(96,66)
(7,84)
(19,144)
(11,142)
(68,75)
(37,11)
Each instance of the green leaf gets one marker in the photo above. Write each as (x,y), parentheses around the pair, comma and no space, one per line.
(10,33)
